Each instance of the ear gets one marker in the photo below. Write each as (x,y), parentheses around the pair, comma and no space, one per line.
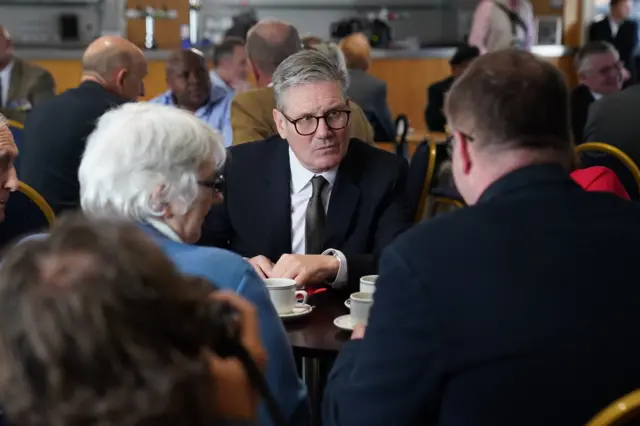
(463,152)
(254,70)
(281,123)
(158,205)
(120,77)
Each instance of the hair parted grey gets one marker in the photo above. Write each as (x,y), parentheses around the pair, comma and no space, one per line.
(306,67)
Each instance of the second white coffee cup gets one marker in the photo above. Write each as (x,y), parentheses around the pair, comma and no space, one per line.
(360,306)
(368,283)
(283,294)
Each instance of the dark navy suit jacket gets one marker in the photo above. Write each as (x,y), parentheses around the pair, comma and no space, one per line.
(521,310)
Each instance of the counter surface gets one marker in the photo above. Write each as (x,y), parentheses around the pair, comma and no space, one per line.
(548,51)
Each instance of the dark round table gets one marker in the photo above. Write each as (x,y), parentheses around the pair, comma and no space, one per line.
(316,342)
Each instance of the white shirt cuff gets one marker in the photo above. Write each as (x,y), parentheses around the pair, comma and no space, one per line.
(341,277)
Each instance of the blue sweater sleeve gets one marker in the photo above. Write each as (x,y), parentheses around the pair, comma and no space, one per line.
(281,373)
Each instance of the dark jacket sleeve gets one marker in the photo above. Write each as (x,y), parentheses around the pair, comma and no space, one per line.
(399,355)
(394,218)
(433,115)
(386,120)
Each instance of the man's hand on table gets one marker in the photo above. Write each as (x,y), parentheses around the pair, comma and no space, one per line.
(303,268)
(358,332)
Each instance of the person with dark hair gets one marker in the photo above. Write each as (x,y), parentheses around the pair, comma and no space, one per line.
(618,29)
(99,328)
(230,66)
(601,73)
(190,88)
(268,44)
(434,112)
(504,323)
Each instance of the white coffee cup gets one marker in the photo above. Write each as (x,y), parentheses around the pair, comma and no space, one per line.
(368,283)
(360,306)
(283,294)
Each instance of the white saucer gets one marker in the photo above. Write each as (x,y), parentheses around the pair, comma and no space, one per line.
(344,323)
(300,310)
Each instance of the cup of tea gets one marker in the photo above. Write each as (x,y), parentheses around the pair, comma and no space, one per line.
(368,283)
(284,295)
(360,304)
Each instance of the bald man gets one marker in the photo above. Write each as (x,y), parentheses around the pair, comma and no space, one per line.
(22,85)
(56,131)
(190,88)
(269,43)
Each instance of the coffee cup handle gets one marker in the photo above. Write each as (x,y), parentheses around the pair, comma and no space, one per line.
(304,295)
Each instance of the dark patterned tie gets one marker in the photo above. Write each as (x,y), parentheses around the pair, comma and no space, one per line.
(315,217)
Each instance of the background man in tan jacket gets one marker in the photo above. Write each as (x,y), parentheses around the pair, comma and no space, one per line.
(268,44)
(22,85)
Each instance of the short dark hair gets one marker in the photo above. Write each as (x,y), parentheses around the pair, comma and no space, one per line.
(464,54)
(226,48)
(511,99)
(267,54)
(89,331)
(590,49)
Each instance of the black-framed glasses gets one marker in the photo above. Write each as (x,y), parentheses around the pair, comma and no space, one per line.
(307,125)
(605,71)
(217,184)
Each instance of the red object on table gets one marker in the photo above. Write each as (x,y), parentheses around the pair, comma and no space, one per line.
(599,179)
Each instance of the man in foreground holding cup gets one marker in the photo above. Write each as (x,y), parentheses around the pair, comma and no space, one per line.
(310,204)
(505,324)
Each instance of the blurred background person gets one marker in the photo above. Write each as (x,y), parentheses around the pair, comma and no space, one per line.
(190,88)
(56,131)
(131,315)
(22,85)
(8,153)
(600,72)
(500,24)
(230,66)
(160,166)
(618,29)
(268,44)
(309,41)
(366,90)
(434,112)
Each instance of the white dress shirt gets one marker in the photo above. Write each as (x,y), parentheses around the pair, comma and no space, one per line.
(5,80)
(301,191)
(164,229)
(615,26)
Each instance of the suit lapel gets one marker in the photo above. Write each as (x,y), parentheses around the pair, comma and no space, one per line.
(345,197)
(16,81)
(276,198)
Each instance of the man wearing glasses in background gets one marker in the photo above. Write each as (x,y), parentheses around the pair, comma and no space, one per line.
(310,204)
(601,73)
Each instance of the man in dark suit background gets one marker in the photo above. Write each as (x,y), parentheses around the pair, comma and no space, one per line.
(22,85)
(499,321)
(434,112)
(366,90)
(620,31)
(56,131)
(310,204)
(600,72)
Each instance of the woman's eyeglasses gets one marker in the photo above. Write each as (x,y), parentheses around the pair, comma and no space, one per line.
(217,184)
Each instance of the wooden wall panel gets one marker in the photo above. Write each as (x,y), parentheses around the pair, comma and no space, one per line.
(167,32)
(543,7)
(407,83)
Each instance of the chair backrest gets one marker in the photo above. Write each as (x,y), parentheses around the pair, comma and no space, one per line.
(26,212)
(421,178)
(624,411)
(17,130)
(602,154)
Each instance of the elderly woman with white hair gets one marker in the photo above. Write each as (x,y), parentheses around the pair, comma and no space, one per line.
(159,166)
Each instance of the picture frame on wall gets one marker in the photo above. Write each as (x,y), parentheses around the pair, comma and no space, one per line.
(548,30)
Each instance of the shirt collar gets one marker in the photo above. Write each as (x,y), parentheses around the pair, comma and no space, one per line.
(300,176)
(595,95)
(164,229)
(218,81)
(7,69)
